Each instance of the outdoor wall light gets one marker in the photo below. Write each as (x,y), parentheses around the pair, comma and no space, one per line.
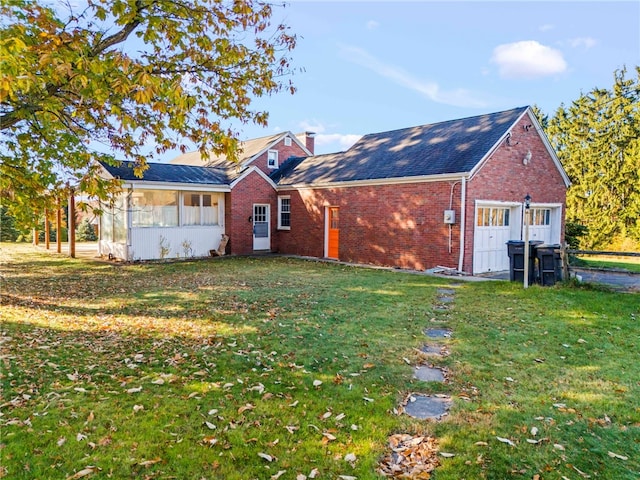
(527,202)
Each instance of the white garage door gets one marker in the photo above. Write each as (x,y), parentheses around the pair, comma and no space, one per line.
(492,232)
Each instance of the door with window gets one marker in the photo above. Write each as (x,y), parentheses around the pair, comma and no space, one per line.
(333,232)
(261,227)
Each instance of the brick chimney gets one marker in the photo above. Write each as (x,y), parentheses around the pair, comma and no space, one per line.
(309,141)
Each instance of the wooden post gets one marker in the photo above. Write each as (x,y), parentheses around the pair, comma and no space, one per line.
(47,228)
(36,240)
(71,224)
(564,255)
(58,226)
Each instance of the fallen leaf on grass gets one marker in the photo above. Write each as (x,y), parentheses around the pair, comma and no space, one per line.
(210,425)
(481,444)
(410,457)
(447,455)
(245,407)
(210,441)
(615,455)
(61,441)
(347,477)
(82,473)
(148,463)
(506,440)
(317,383)
(350,457)
(557,446)
(265,456)
(278,475)
(137,408)
(134,390)
(328,436)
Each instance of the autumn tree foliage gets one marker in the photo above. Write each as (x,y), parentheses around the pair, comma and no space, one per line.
(117,80)
(597,139)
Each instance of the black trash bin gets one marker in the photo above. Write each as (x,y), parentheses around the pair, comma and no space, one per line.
(515,250)
(549,264)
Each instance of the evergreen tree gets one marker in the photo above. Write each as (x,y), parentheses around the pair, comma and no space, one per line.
(597,140)
(85,232)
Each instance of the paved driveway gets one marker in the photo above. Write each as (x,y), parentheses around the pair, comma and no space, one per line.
(622,281)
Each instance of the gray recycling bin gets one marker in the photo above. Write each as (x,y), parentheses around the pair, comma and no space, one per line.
(549,264)
(515,250)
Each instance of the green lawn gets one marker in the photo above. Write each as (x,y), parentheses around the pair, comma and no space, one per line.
(631,264)
(266,368)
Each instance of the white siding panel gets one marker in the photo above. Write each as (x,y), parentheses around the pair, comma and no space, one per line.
(180,242)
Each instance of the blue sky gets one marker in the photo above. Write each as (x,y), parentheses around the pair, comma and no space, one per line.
(370,66)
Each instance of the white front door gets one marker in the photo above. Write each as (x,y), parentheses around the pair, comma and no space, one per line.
(261,227)
(492,232)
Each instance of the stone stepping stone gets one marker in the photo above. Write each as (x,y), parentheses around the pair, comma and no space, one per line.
(424,406)
(428,374)
(432,350)
(445,299)
(445,291)
(437,333)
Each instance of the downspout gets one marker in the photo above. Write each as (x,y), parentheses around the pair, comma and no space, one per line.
(463,208)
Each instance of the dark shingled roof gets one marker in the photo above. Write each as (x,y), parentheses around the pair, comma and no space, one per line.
(451,147)
(163,172)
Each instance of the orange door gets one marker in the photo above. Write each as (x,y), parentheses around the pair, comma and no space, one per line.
(333,236)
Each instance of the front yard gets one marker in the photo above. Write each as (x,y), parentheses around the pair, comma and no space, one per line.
(243,368)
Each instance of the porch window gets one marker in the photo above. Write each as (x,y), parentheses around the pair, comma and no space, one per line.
(284,213)
(272,159)
(154,208)
(113,222)
(199,209)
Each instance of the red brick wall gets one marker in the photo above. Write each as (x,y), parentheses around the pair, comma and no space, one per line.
(397,225)
(239,209)
(283,153)
(504,177)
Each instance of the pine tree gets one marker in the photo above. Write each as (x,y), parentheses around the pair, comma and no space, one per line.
(597,140)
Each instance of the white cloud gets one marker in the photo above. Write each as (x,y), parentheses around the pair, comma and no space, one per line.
(343,140)
(546,27)
(528,59)
(337,141)
(430,90)
(585,42)
(372,24)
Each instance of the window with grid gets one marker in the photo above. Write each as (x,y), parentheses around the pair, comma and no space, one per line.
(284,212)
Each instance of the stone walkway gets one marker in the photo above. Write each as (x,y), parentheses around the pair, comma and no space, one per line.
(425,405)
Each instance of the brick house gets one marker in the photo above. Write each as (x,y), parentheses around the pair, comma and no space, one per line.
(447,194)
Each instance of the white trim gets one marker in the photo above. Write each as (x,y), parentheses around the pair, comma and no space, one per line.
(287,141)
(375,182)
(247,172)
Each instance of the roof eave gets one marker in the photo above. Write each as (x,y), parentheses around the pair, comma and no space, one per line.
(378,181)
